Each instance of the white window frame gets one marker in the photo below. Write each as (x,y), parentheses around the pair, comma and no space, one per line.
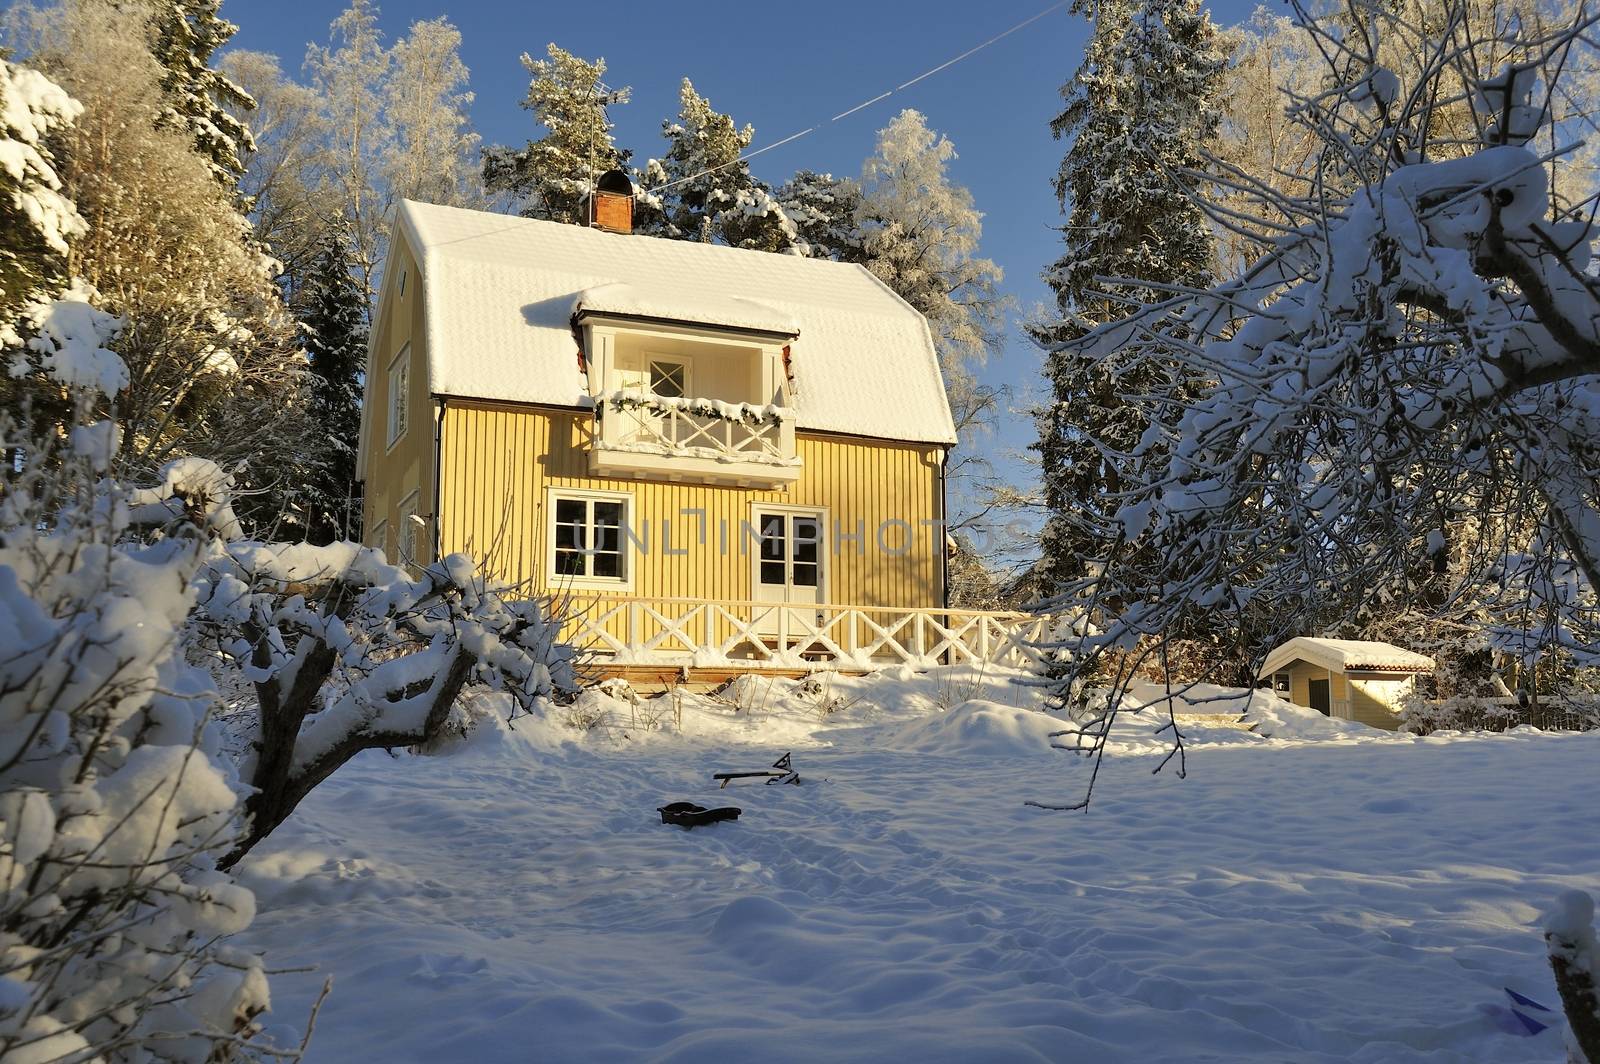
(1288,683)
(380,538)
(556,579)
(405,547)
(687,365)
(399,398)
(752,544)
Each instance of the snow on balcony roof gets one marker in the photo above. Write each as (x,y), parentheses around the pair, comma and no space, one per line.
(727,312)
(1346,655)
(501,292)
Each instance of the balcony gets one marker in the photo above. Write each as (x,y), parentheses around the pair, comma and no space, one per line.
(641,433)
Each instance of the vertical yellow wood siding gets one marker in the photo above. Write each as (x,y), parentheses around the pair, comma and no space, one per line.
(392,474)
(1301,673)
(497,460)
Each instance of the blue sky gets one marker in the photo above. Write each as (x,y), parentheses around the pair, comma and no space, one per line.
(784,68)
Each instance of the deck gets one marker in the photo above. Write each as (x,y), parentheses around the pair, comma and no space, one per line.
(659,641)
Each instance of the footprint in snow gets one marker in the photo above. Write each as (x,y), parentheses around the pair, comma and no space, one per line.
(439,967)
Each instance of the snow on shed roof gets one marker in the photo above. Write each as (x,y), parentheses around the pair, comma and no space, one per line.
(1345,655)
(501,292)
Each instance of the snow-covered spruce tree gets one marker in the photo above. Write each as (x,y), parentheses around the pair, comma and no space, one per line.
(1418,350)
(708,193)
(1137,113)
(825,211)
(552,177)
(36,220)
(199,98)
(334,315)
(434,153)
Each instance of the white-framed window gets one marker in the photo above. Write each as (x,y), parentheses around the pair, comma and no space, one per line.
(399,393)
(1280,682)
(402,282)
(410,525)
(589,538)
(669,377)
(790,552)
(380,537)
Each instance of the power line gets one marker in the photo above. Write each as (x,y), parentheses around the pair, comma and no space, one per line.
(947,64)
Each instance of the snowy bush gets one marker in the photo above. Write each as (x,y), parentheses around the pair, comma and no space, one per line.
(1574,712)
(349,653)
(113,804)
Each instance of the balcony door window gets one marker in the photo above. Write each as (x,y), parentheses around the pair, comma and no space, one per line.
(669,378)
(587,540)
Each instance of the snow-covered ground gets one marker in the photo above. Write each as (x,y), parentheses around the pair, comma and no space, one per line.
(1344,895)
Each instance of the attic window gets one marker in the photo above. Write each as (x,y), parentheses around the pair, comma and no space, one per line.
(402,282)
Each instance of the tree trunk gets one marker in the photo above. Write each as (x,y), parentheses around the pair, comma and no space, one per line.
(1580,998)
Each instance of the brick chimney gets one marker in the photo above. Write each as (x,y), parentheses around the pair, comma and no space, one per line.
(611,206)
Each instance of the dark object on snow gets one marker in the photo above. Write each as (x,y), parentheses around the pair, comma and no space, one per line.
(780,772)
(1532,1025)
(688,815)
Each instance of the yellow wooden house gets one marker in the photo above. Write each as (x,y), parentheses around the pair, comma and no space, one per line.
(716,458)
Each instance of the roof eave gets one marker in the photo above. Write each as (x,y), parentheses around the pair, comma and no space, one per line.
(582,315)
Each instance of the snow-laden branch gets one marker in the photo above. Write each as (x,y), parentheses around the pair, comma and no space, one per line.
(349,653)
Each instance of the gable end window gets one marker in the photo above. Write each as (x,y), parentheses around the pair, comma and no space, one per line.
(588,541)
(399,393)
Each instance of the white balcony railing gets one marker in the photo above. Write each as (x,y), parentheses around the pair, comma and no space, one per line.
(628,630)
(702,439)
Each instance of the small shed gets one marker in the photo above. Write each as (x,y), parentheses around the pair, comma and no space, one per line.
(1347,678)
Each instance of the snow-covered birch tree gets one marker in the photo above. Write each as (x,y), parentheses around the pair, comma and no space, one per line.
(347,76)
(433,155)
(288,205)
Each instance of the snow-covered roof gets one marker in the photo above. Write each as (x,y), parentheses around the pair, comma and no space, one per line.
(1346,655)
(501,293)
(667,304)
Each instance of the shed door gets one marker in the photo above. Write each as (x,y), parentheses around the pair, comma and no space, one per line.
(1319,697)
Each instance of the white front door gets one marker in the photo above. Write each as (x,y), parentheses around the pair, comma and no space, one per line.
(789,567)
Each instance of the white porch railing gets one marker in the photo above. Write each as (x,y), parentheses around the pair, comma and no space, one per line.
(674,429)
(626,630)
